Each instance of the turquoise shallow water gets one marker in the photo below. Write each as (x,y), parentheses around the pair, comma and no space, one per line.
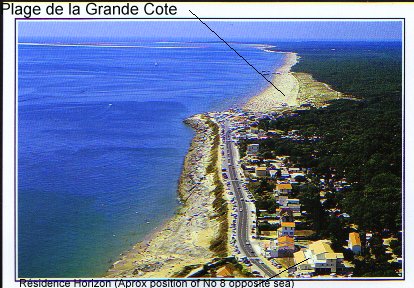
(101,142)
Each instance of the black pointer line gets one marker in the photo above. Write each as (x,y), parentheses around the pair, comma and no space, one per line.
(282,271)
(238,53)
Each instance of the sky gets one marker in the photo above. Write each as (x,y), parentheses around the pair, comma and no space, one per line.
(229,30)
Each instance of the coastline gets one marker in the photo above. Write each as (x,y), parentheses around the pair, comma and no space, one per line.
(300,89)
(185,239)
(184,242)
(270,99)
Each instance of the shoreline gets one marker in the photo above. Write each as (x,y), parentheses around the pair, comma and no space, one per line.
(301,91)
(183,242)
(185,239)
(147,259)
(270,99)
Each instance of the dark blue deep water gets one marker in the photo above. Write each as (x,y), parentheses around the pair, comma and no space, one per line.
(101,142)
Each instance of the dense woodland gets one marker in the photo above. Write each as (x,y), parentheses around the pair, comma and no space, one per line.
(359,140)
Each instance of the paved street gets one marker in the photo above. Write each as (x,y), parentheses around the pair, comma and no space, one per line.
(244,211)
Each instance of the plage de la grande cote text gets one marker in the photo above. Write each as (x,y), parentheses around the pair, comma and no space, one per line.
(92,9)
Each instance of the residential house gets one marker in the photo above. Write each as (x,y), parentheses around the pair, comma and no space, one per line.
(303,265)
(286,229)
(285,246)
(283,188)
(294,201)
(282,247)
(261,171)
(252,149)
(294,207)
(321,257)
(354,242)
(283,200)
(285,174)
(254,129)
(268,248)
(273,173)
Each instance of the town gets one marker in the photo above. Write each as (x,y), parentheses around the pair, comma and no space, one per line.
(273,212)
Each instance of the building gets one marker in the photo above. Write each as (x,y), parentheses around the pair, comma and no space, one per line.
(285,246)
(354,242)
(273,173)
(252,149)
(254,129)
(283,189)
(283,200)
(303,265)
(282,247)
(268,248)
(321,259)
(286,229)
(261,171)
(294,207)
(285,174)
(293,201)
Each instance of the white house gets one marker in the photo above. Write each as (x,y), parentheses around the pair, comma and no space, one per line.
(282,247)
(283,200)
(286,229)
(303,265)
(252,149)
(321,259)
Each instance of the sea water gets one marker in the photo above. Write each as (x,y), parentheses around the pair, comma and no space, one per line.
(101,141)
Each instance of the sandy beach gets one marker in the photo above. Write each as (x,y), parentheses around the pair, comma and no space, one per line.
(185,239)
(270,99)
(299,89)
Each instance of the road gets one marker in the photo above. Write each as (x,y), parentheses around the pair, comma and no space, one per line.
(243,210)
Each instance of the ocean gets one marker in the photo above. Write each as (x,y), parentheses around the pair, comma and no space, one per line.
(101,141)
